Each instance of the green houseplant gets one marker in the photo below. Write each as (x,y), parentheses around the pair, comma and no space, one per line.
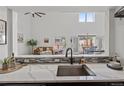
(32,43)
(5,63)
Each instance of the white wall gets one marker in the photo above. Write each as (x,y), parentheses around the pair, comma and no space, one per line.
(3,48)
(117,35)
(25,27)
(9,31)
(67,24)
(112,32)
(119,38)
(14,25)
(14,32)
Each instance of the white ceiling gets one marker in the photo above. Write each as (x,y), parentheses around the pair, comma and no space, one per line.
(60,8)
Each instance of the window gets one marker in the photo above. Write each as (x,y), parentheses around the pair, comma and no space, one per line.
(82,17)
(87,17)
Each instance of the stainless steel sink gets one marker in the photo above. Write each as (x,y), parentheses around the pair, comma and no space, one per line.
(74,70)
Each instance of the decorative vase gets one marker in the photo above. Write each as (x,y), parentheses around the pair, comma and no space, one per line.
(4,66)
(12,65)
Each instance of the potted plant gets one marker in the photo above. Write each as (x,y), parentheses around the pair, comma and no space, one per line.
(32,43)
(5,63)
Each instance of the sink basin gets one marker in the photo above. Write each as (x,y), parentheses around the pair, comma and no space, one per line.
(72,70)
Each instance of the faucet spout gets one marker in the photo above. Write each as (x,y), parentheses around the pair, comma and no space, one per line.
(71,58)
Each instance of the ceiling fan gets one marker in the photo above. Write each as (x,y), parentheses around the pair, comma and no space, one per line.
(35,14)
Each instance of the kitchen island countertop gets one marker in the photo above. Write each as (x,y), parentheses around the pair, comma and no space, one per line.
(46,73)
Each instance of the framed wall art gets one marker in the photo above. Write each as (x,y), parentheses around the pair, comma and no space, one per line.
(46,40)
(20,38)
(3,32)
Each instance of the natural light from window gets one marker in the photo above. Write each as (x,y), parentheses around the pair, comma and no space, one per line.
(82,17)
(86,17)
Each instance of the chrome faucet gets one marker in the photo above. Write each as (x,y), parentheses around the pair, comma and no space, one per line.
(71,59)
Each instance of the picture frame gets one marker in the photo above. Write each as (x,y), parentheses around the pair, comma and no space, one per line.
(46,40)
(20,38)
(3,32)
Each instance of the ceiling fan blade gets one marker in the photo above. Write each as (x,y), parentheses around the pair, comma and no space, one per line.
(27,13)
(38,15)
(41,13)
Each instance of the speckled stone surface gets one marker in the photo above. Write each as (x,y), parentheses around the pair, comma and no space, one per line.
(46,73)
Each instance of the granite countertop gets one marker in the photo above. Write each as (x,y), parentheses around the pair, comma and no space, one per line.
(46,73)
(60,56)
